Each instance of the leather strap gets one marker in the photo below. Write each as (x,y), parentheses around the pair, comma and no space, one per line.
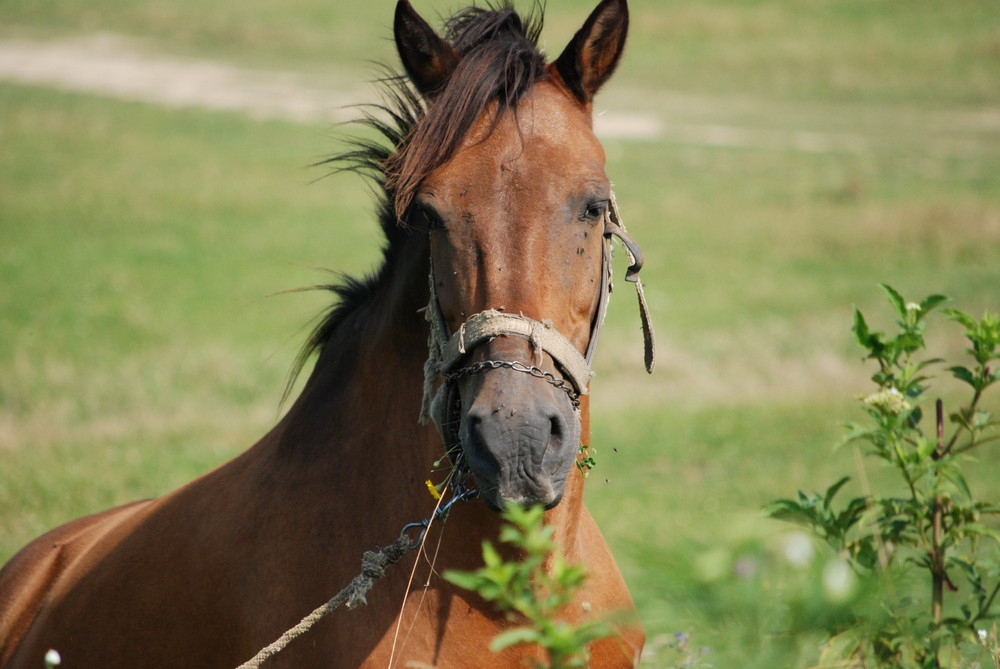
(616,227)
(490,324)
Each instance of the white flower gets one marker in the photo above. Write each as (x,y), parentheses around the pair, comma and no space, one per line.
(912,306)
(889,401)
(838,580)
(52,658)
(983,635)
(797,549)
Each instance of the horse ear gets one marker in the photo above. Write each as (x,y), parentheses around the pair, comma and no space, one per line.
(428,59)
(592,55)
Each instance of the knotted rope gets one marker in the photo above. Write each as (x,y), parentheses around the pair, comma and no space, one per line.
(373,565)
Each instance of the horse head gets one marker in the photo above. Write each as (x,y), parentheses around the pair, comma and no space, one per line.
(507,176)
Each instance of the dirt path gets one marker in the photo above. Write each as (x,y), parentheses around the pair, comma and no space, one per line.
(131,69)
(128,69)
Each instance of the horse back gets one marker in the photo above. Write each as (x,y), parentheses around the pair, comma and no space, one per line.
(52,563)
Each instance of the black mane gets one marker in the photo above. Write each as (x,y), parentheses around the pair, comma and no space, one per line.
(500,63)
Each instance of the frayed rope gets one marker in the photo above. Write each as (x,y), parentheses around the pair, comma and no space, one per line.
(373,566)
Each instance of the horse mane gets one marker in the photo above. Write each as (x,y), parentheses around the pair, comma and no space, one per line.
(500,62)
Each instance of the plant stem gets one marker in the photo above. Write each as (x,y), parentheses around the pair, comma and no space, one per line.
(937,557)
(968,412)
(984,609)
(937,566)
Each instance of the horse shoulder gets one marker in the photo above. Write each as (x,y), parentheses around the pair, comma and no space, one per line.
(51,564)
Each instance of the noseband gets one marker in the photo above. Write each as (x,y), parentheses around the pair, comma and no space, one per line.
(448,351)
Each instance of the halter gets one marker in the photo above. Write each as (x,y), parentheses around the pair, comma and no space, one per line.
(446,351)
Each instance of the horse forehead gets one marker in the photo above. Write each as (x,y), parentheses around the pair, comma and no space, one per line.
(549,135)
(549,114)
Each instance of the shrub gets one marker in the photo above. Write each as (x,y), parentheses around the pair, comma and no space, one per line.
(935,526)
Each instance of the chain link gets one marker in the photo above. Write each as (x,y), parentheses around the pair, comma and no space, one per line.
(532,370)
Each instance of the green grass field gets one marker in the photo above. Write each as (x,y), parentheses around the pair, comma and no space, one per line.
(808,151)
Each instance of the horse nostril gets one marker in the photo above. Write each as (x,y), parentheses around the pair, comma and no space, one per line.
(555,428)
(474,425)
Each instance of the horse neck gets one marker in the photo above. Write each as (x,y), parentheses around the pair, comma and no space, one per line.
(356,419)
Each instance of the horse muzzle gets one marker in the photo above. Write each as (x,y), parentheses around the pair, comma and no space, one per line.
(519,438)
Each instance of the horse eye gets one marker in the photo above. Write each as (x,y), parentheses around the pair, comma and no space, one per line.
(426,218)
(594,211)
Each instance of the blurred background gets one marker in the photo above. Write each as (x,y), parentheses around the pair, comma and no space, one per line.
(777,160)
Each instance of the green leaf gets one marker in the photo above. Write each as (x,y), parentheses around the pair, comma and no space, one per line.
(865,553)
(896,299)
(782,507)
(965,375)
(963,319)
(463,579)
(925,448)
(955,476)
(871,342)
(514,637)
(832,490)
(843,646)
(931,302)
(491,558)
(981,530)
(927,363)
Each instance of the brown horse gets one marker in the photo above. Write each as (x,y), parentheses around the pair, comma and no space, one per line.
(496,214)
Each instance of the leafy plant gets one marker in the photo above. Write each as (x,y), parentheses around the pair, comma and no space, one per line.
(937,526)
(533,590)
(585,459)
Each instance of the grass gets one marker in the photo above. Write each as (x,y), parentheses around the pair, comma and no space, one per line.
(140,250)
(799,49)
(139,245)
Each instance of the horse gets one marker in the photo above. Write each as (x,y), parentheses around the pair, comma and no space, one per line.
(468,349)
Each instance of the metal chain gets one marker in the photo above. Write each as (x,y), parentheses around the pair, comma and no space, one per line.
(537,372)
